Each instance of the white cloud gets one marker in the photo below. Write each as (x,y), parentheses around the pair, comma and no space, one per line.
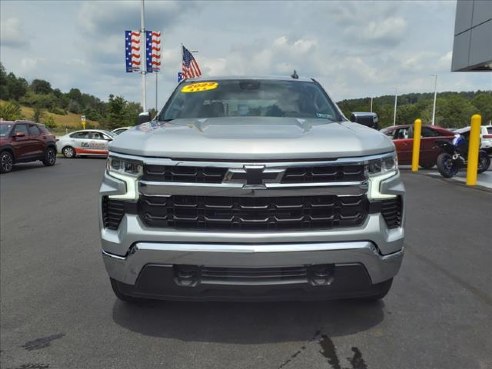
(354,48)
(12,34)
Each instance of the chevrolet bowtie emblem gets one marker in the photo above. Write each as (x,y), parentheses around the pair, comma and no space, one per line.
(254,176)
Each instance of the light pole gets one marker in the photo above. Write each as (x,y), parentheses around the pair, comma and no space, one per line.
(396,103)
(435,95)
(142,69)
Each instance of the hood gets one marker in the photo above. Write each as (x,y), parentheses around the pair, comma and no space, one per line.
(251,138)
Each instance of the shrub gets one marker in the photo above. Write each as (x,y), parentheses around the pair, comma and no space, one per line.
(10,111)
(50,122)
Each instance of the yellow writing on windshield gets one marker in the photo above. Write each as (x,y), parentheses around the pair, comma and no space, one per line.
(200,86)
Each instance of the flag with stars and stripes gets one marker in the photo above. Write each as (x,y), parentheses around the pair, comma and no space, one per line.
(132,51)
(189,68)
(153,46)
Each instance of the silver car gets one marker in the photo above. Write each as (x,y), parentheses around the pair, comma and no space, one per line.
(251,189)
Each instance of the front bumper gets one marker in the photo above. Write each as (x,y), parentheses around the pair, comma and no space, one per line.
(155,270)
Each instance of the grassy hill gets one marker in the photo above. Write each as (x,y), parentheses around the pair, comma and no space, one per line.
(60,123)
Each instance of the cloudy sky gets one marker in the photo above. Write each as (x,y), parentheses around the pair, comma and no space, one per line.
(354,48)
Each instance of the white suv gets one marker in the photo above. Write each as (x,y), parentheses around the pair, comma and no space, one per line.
(485,137)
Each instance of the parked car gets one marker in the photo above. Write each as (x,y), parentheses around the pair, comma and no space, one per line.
(86,142)
(402,136)
(119,130)
(485,137)
(24,141)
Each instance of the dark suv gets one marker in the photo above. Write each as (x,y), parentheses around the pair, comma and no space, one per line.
(23,141)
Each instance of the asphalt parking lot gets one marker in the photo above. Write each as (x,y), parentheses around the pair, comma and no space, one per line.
(58,310)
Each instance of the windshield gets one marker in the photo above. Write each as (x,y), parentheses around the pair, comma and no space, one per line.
(5,129)
(257,98)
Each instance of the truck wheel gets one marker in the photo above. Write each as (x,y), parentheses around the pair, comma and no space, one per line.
(122,296)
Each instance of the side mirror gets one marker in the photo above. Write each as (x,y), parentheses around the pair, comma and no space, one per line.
(365,118)
(19,134)
(143,117)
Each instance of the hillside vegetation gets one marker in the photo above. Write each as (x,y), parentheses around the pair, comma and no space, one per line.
(38,101)
(453,109)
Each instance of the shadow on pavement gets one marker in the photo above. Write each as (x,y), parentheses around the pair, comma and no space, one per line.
(248,322)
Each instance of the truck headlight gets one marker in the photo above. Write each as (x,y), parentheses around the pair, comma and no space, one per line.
(124,166)
(128,171)
(379,170)
(381,166)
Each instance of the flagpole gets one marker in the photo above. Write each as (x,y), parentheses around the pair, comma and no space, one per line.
(181,62)
(142,69)
(156,92)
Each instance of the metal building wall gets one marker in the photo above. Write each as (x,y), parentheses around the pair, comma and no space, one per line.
(472,49)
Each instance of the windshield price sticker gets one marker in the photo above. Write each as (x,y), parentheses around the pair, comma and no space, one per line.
(200,86)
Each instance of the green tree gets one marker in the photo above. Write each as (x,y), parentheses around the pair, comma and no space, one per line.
(10,111)
(483,105)
(453,110)
(50,122)
(132,111)
(37,113)
(39,86)
(17,87)
(4,91)
(117,115)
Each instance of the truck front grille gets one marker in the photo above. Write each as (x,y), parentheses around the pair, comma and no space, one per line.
(253,275)
(184,174)
(292,175)
(333,173)
(253,213)
(112,212)
(392,211)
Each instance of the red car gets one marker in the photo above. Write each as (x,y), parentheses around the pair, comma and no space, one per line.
(402,137)
(23,141)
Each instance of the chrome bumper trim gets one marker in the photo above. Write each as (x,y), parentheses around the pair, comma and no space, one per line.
(127,268)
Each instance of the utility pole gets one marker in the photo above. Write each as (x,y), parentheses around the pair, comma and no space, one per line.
(435,95)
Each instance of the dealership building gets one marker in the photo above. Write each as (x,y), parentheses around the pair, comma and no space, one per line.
(472,49)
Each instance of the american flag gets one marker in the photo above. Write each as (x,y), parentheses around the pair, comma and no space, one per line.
(190,68)
(132,51)
(153,44)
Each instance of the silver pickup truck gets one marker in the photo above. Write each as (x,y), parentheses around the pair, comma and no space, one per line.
(251,189)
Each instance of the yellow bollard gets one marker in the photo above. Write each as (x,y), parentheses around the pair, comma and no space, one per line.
(473,148)
(417,130)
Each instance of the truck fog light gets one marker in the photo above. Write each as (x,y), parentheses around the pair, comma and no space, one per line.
(321,275)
